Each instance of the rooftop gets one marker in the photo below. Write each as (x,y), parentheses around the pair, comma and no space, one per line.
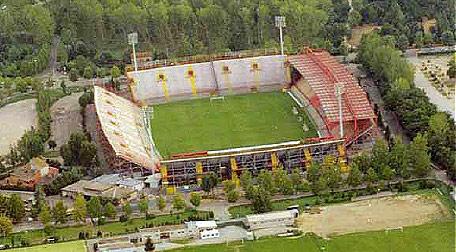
(322,72)
(271,216)
(96,189)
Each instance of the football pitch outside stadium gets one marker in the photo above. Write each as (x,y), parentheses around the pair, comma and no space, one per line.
(235,121)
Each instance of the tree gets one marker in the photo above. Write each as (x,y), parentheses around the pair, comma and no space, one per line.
(73,75)
(110,210)
(261,200)
(380,155)
(16,208)
(88,72)
(209,182)
(94,208)
(228,186)
(296,179)
(45,215)
(127,210)
(79,209)
(448,38)
(354,178)
(115,72)
(143,205)
(246,183)
(371,176)
(195,199)
(59,212)
(427,38)
(52,144)
(232,196)
(161,203)
(420,161)
(266,181)
(451,72)
(6,227)
(178,202)
(149,245)
(282,182)
(402,42)
(399,159)
(79,150)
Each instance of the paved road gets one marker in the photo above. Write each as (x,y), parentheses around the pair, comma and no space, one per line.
(442,103)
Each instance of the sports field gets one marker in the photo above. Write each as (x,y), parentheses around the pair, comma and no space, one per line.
(77,246)
(236,121)
(435,237)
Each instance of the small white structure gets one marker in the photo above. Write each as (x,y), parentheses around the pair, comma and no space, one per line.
(271,220)
(203,229)
(153,181)
(131,183)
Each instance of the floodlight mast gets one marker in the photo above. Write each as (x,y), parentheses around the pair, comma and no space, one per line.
(280,23)
(133,40)
(339,92)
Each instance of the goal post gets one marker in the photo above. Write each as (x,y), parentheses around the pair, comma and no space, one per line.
(217,98)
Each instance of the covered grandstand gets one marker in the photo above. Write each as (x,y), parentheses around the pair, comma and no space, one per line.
(124,134)
(315,75)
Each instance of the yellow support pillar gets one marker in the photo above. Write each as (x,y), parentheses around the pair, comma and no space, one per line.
(274,161)
(199,173)
(234,169)
(161,78)
(255,68)
(308,157)
(341,159)
(164,172)
(192,78)
(226,77)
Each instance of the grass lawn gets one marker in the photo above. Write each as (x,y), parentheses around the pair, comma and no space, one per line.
(76,246)
(238,121)
(115,228)
(434,237)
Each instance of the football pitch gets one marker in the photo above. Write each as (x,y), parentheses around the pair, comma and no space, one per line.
(77,246)
(439,236)
(236,121)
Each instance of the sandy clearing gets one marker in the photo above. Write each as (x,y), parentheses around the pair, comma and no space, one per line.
(374,214)
(15,119)
(66,118)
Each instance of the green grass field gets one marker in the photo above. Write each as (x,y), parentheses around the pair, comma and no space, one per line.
(76,246)
(237,121)
(435,237)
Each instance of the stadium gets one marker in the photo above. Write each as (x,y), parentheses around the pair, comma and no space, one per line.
(229,113)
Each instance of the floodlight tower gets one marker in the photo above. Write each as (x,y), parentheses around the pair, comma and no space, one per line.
(133,40)
(339,93)
(280,23)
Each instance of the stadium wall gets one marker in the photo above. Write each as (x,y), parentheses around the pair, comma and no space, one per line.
(234,76)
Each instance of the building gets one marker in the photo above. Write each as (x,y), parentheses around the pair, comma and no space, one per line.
(203,229)
(131,183)
(153,181)
(316,77)
(271,220)
(36,172)
(96,189)
(118,180)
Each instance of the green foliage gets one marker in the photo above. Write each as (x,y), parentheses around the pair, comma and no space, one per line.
(195,199)
(420,162)
(127,209)
(110,210)
(79,209)
(115,72)
(88,72)
(45,215)
(73,74)
(178,202)
(451,72)
(79,151)
(6,227)
(59,212)
(161,203)
(232,196)
(16,208)
(355,176)
(283,182)
(261,199)
(265,181)
(94,208)
(143,205)
(86,98)
(209,182)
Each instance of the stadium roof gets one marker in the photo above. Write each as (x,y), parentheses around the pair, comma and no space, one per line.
(321,71)
(122,124)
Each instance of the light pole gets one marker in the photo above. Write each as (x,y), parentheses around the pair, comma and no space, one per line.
(339,92)
(133,40)
(280,23)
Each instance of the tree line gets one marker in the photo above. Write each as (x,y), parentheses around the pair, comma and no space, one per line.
(372,170)
(394,77)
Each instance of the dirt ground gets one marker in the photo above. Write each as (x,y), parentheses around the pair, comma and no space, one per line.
(15,119)
(357,34)
(373,214)
(66,118)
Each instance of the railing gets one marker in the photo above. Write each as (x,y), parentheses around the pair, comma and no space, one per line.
(204,58)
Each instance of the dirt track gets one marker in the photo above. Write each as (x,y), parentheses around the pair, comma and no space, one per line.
(15,119)
(66,118)
(374,214)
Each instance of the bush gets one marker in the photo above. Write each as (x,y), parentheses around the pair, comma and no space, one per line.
(123,218)
(73,75)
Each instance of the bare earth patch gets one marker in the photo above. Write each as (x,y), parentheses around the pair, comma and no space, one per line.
(373,214)
(15,119)
(66,118)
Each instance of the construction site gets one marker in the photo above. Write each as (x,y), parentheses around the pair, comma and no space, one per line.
(323,96)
